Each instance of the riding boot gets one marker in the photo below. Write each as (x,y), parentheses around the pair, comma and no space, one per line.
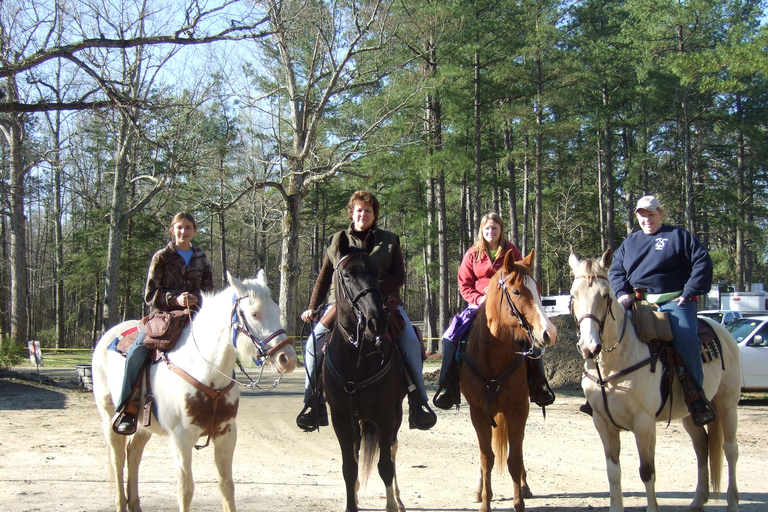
(538,387)
(702,410)
(448,381)
(315,413)
(420,415)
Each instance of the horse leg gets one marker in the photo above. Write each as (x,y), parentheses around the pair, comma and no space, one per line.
(727,420)
(116,464)
(515,434)
(395,488)
(609,435)
(645,438)
(135,450)
(182,456)
(524,484)
(349,442)
(224,452)
(386,466)
(700,442)
(484,492)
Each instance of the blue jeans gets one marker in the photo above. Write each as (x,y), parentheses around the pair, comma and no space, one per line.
(682,320)
(409,346)
(134,359)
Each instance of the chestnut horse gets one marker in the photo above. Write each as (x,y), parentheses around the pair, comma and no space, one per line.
(494,378)
(363,376)
(622,383)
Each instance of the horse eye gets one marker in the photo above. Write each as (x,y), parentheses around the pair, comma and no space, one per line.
(515,291)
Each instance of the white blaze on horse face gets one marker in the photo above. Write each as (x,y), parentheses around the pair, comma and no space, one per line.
(586,301)
(545,331)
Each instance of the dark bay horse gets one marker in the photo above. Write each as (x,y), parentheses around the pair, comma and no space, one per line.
(494,378)
(623,383)
(363,376)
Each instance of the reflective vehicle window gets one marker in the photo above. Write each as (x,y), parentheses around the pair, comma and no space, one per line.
(741,328)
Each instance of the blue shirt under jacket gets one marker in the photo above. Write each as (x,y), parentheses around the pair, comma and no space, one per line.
(672,259)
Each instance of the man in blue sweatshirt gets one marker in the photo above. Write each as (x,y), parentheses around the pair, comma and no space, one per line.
(667,266)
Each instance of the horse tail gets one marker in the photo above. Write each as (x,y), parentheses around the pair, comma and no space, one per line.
(715,440)
(369,444)
(500,442)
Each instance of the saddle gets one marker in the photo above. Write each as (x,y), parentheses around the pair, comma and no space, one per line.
(161,331)
(652,327)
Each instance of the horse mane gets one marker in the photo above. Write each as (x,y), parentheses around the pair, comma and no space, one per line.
(224,298)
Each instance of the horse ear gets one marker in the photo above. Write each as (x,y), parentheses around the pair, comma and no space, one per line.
(509,260)
(261,277)
(606,260)
(343,243)
(573,261)
(236,284)
(528,260)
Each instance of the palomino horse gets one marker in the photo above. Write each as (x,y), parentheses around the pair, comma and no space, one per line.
(622,384)
(363,377)
(193,388)
(494,378)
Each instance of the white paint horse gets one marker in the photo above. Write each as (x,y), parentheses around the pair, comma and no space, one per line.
(193,389)
(629,397)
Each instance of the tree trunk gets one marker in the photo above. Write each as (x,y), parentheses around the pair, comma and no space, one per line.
(290,268)
(18,230)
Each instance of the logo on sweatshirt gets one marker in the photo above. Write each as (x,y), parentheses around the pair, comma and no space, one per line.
(660,243)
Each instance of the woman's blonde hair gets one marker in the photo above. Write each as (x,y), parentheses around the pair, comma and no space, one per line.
(481,245)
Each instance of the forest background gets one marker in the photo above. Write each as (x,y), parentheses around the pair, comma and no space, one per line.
(261,117)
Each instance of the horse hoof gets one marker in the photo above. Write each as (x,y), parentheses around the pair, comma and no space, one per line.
(526,491)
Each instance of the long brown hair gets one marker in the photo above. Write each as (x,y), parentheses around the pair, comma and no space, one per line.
(481,245)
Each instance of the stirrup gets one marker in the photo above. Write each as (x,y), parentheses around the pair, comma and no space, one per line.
(451,396)
(312,418)
(421,416)
(124,423)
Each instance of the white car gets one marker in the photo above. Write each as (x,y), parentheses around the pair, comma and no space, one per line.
(723,316)
(751,334)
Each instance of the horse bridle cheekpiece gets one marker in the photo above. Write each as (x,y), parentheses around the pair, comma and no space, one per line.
(361,320)
(600,321)
(524,324)
(239,325)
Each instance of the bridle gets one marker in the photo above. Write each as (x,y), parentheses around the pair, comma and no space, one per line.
(599,321)
(522,321)
(493,385)
(353,338)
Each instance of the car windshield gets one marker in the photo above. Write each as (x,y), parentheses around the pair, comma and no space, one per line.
(741,328)
(717,317)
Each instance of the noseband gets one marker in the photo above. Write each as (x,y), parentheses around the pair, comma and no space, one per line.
(600,321)
(239,325)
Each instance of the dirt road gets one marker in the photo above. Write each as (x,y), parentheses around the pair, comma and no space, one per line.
(53,458)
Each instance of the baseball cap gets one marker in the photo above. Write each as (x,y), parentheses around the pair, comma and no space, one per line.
(648,203)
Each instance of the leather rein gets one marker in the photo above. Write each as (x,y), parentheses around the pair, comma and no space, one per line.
(262,348)
(599,379)
(352,386)
(493,385)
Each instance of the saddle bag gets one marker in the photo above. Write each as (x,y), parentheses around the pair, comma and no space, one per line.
(650,323)
(162,329)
